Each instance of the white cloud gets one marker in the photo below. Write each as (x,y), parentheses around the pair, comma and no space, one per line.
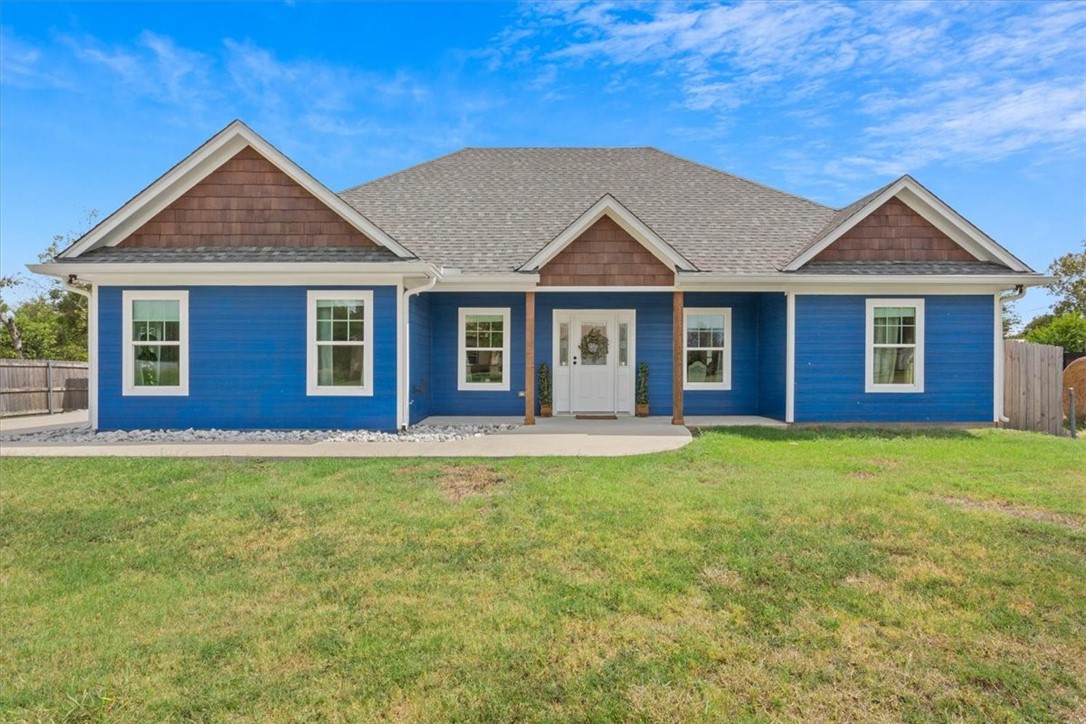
(923,82)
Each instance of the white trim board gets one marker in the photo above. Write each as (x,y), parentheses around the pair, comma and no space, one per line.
(128,367)
(726,354)
(197,166)
(462,385)
(609,206)
(935,211)
(312,388)
(917,385)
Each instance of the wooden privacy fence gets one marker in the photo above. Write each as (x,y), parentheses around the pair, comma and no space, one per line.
(1033,386)
(34,386)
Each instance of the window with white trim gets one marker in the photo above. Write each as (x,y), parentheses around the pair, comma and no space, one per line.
(156,342)
(708,348)
(483,349)
(339,333)
(894,356)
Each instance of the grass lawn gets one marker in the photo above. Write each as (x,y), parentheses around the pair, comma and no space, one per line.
(755,574)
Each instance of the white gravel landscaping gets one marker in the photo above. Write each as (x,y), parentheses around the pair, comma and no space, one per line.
(418,433)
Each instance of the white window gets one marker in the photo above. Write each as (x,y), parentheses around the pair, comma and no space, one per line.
(339,333)
(895,345)
(483,349)
(708,353)
(156,343)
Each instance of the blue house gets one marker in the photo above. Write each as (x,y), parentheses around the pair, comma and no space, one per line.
(237,291)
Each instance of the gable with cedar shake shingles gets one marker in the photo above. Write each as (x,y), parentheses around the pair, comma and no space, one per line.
(605,255)
(894,232)
(247,202)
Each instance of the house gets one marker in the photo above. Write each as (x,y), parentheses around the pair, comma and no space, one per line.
(237,291)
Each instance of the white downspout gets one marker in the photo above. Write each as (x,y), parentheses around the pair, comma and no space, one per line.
(432,276)
(92,345)
(997,393)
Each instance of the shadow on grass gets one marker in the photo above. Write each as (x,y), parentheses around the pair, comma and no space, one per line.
(794,434)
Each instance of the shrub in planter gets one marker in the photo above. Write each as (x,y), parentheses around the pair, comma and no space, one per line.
(545,390)
(641,396)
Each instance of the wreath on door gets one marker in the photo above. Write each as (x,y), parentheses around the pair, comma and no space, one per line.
(594,344)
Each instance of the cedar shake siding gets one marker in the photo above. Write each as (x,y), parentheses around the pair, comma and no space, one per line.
(605,255)
(247,202)
(894,232)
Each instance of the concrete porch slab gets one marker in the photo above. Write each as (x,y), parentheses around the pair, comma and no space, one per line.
(733,421)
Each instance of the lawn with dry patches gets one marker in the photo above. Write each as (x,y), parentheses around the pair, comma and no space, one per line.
(755,574)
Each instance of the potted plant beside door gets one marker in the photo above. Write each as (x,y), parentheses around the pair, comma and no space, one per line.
(641,396)
(545,390)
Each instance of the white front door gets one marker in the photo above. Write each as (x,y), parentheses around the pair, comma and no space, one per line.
(593,380)
(593,369)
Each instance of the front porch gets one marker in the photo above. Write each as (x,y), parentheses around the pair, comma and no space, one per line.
(657,425)
(716,357)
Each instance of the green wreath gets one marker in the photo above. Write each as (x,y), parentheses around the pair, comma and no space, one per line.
(594,344)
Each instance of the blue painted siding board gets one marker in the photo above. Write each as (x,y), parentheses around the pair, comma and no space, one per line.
(444,314)
(742,398)
(653,332)
(772,354)
(247,359)
(958,363)
(421,388)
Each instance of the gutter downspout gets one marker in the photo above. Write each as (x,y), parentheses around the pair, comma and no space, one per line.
(1018,293)
(92,345)
(433,274)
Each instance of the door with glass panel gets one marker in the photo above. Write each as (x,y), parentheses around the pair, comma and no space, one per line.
(593,361)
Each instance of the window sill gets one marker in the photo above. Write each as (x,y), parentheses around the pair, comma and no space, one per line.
(339,392)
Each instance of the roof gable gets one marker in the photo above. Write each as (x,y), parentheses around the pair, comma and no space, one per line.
(894,232)
(198,166)
(926,219)
(246,202)
(605,255)
(637,230)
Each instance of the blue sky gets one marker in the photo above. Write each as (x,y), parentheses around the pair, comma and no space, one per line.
(984,103)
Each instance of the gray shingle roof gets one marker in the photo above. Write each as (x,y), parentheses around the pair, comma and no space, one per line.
(209,254)
(488,210)
(903,267)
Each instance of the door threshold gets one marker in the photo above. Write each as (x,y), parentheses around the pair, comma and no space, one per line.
(596,417)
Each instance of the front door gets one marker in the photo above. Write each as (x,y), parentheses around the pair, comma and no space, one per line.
(593,370)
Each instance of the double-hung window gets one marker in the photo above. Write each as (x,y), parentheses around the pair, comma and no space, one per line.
(339,348)
(708,353)
(156,342)
(895,345)
(483,349)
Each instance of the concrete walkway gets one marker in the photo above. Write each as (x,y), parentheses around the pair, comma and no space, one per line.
(41,423)
(564,437)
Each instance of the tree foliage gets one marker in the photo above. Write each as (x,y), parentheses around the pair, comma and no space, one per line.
(1069,286)
(1066,330)
(51,324)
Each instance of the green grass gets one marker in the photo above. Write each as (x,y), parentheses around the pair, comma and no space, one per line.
(755,574)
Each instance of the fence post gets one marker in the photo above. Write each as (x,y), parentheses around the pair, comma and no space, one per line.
(1074,414)
(49,385)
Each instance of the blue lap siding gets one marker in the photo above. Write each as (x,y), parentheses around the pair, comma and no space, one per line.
(652,333)
(247,357)
(742,398)
(958,362)
(772,351)
(444,319)
(420,392)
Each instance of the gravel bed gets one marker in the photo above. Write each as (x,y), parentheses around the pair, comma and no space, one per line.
(418,433)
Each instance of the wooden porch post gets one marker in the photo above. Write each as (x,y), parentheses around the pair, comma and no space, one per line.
(529,358)
(677,333)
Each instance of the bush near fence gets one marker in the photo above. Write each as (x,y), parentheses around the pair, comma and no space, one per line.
(35,386)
